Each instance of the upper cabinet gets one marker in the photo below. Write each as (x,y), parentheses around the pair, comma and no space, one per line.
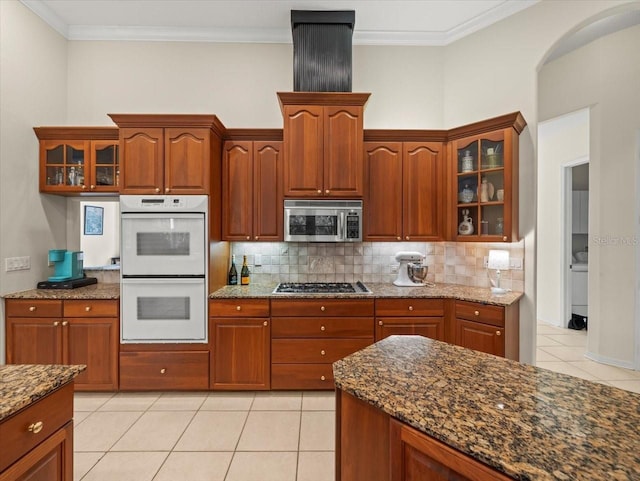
(77,160)
(323,136)
(167,154)
(483,166)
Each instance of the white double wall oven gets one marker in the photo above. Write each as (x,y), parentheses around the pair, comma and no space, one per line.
(163,268)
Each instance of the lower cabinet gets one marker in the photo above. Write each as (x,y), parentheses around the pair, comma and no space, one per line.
(164,370)
(241,344)
(36,444)
(424,317)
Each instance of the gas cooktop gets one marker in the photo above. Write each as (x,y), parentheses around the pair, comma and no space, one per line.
(321,288)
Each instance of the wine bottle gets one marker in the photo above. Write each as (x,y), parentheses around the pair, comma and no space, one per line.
(233,273)
(244,273)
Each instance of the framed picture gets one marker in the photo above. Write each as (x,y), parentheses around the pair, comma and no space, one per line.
(93,219)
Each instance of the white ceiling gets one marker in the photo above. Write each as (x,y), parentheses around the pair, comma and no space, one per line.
(378,22)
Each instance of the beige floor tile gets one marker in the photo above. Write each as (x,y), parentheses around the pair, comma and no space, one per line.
(544,356)
(179,401)
(543,328)
(577,340)
(79,416)
(83,462)
(271,431)
(213,431)
(319,401)
(155,431)
(607,372)
(266,466)
(633,386)
(316,466)
(203,466)
(228,401)
(317,431)
(544,340)
(565,353)
(566,368)
(141,466)
(101,430)
(277,401)
(90,401)
(130,402)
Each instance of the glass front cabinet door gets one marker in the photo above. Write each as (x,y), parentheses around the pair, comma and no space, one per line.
(485,185)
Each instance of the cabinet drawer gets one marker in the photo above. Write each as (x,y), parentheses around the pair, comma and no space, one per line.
(473,311)
(53,411)
(410,307)
(171,370)
(239,308)
(322,327)
(33,308)
(302,376)
(90,308)
(321,307)
(314,350)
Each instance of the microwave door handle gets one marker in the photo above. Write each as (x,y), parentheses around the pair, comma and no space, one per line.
(341,229)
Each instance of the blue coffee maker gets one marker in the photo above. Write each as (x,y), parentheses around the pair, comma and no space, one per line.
(67,265)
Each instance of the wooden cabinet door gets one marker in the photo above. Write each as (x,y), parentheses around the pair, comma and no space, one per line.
(343,160)
(34,341)
(94,342)
(186,160)
(63,166)
(432,327)
(241,353)
(383,192)
(268,209)
(480,337)
(237,190)
(142,162)
(423,190)
(103,174)
(303,150)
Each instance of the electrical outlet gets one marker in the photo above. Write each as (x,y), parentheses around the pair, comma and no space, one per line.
(17,263)
(394,267)
(257,260)
(515,263)
(485,263)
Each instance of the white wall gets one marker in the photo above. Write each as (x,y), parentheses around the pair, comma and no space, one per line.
(99,249)
(560,141)
(33,67)
(605,76)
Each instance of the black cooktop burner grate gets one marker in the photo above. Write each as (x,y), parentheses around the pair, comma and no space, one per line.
(320,288)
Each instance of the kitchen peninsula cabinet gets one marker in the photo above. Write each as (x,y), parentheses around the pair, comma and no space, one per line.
(167,154)
(424,317)
(241,344)
(483,165)
(66,332)
(308,335)
(252,190)
(323,135)
(404,194)
(78,160)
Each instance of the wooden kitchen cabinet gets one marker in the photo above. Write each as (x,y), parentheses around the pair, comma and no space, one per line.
(167,154)
(78,160)
(66,332)
(252,191)
(241,344)
(309,335)
(424,317)
(488,328)
(323,135)
(404,191)
(485,152)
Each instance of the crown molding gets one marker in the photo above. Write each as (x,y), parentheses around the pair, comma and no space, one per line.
(48,15)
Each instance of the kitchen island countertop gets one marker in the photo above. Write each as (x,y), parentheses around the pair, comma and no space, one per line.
(94,291)
(526,422)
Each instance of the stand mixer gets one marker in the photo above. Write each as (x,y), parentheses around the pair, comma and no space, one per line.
(411,272)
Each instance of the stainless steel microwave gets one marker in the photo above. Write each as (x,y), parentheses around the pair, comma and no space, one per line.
(323,220)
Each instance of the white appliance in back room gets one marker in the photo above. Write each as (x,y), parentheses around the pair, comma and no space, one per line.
(580,241)
(163,265)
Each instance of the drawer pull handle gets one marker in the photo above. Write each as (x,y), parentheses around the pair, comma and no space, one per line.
(322,352)
(65,323)
(322,328)
(327,191)
(498,333)
(411,308)
(477,313)
(380,323)
(238,308)
(87,309)
(319,191)
(322,308)
(322,378)
(32,308)
(265,323)
(56,323)
(163,371)
(35,428)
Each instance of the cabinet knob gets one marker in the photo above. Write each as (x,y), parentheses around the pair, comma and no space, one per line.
(87,309)
(163,370)
(92,187)
(36,427)
(257,237)
(322,328)
(32,308)
(322,353)
(477,313)
(327,191)
(65,323)
(238,308)
(167,190)
(248,237)
(380,323)
(56,323)
(498,333)
(407,237)
(157,189)
(322,308)
(399,238)
(84,187)
(265,323)
(411,308)
(504,238)
(322,378)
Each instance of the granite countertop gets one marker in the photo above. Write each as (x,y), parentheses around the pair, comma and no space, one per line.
(378,290)
(94,291)
(23,384)
(527,422)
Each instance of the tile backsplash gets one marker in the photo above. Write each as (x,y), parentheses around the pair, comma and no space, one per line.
(449,262)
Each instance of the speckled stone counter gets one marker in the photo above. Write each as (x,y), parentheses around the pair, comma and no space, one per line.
(94,291)
(527,422)
(379,290)
(23,384)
